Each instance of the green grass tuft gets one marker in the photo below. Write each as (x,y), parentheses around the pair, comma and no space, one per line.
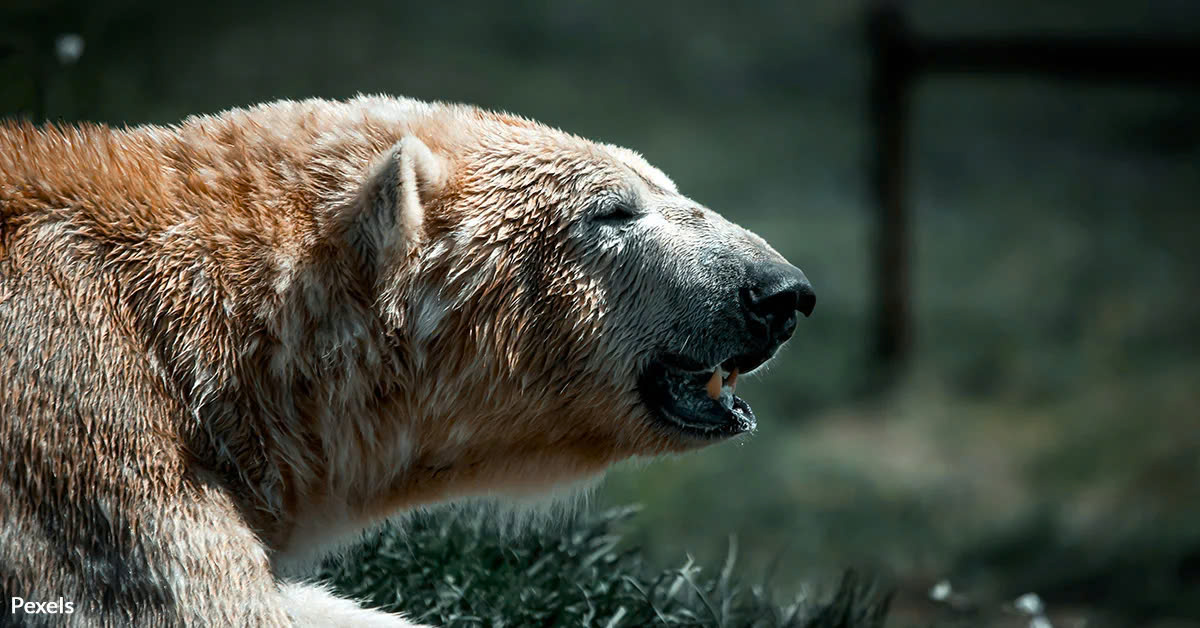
(455,569)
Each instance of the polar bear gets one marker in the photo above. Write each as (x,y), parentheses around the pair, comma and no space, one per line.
(229,343)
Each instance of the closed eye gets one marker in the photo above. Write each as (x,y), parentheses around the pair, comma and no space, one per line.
(615,213)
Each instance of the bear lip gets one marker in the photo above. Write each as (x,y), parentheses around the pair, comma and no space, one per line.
(682,398)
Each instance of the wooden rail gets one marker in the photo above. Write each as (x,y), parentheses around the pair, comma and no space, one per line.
(900,57)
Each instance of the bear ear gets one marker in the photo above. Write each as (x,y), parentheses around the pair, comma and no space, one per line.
(389,216)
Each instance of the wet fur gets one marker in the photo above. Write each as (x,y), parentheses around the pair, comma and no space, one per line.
(228,343)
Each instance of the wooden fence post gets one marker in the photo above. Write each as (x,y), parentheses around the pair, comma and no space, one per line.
(891,77)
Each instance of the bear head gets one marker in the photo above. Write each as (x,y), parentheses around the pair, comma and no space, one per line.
(559,305)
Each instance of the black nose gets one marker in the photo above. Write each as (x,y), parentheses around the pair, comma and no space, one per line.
(777,291)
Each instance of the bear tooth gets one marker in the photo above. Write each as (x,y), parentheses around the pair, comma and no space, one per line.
(714,385)
(732,383)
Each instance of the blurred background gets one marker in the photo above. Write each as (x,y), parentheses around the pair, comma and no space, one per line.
(1035,427)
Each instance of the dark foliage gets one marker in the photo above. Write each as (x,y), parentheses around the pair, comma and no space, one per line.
(456,569)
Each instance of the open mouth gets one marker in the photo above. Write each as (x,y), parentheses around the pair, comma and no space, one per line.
(698,400)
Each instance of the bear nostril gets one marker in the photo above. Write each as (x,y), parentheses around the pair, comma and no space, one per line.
(778,306)
(806,300)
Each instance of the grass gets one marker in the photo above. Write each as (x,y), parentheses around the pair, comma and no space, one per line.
(456,568)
